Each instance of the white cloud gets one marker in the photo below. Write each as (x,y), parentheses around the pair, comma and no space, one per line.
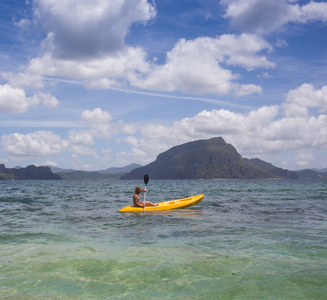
(83,29)
(47,99)
(189,70)
(14,100)
(96,117)
(46,143)
(81,137)
(132,141)
(82,150)
(24,80)
(85,41)
(139,153)
(281,43)
(127,128)
(313,11)
(99,122)
(50,163)
(186,68)
(247,89)
(39,143)
(257,15)
(263,75)
(105,72)
(303,159)
(300,100)
(264,16)
(90,47)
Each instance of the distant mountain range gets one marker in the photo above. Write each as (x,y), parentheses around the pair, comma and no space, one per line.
(108,174)
(203,159)
(28,173)
(112,170)
(54,173)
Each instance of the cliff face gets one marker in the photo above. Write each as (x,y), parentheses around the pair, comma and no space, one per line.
(204,159)
(28,173)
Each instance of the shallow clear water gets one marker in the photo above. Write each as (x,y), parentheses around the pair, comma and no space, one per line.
(247,239)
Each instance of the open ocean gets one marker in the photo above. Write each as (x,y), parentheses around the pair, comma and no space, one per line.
(247,239)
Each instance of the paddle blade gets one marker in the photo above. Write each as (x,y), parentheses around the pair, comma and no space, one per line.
(146,179)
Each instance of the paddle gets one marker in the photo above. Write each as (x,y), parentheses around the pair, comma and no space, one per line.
(146,180)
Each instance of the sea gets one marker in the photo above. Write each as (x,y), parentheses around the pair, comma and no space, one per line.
(247,239)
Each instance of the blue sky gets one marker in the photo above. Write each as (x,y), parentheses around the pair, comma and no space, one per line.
(105,83)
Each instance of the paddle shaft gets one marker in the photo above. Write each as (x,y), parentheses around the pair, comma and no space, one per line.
(144,199)
(146,180)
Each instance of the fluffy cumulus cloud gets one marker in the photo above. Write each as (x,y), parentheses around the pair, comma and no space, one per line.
(246,89)
(82,137)
(98,121)
(91,48)
(264,16)
(300,100)
(39,143)
(24,79)
(21,147)
(185,69)
(14,100)
(103,72)
(188,70)
(313,11)
(47,99)
(303,159)
(83,29)
(85,40)
(79,142)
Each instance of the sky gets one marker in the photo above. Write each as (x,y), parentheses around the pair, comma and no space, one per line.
(90,85)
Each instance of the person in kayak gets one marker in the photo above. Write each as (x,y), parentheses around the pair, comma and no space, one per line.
(136,198)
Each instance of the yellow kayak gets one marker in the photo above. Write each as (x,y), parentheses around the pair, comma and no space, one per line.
(174,204)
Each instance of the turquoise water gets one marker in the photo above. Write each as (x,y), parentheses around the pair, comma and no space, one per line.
(256,239)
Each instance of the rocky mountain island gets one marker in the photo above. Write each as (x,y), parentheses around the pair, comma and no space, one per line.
(207,159)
